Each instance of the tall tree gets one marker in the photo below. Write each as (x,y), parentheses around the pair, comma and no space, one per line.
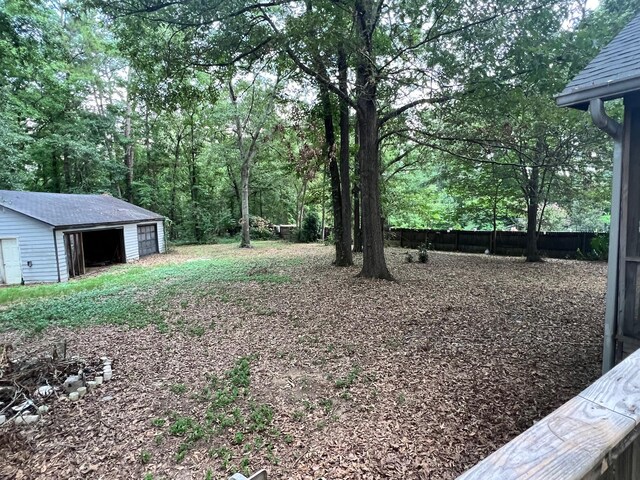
(393,45)
(251,115)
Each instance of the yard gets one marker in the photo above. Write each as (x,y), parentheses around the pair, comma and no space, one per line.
(232,360)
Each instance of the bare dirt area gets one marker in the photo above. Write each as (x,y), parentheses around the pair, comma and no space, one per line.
(349,378)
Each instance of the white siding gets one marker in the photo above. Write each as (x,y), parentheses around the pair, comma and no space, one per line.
(131,242)
(161,244)
(36,246)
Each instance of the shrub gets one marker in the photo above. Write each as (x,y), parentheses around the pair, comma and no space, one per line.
(599,249)
(423,255)
(310,231)
(408,257)
(600,246)
(260,228)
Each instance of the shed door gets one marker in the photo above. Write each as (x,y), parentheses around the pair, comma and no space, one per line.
(147,239)
(75,253)
(10,271)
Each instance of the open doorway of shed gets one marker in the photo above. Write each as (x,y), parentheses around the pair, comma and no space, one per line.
(93,249)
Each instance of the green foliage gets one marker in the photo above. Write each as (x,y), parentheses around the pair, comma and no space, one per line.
(260,417)
(145,457)
(68,89)
(349,380)
(260,229)
(158,422)
(178,388)
(600,246)
(599,249)
(231,417)
(310,230)
(128,295)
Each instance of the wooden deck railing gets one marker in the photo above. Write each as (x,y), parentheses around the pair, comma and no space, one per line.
(592,436)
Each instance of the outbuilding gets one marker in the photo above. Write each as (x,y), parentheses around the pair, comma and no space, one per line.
(51,237)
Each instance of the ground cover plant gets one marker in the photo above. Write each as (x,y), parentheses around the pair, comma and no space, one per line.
(131,295)
(273,358)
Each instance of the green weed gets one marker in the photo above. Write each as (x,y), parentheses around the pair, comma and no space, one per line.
(178,388)
(145,457)
(349,380)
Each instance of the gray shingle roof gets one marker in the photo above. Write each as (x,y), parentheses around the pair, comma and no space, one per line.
(70,210)
(612,74)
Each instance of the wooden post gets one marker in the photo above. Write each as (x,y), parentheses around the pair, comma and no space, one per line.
(628,324)
(610,317)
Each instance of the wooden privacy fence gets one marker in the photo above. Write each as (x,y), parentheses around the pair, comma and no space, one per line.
(592,436)
(550,244)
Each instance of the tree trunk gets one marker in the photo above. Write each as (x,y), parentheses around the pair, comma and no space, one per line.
(174,183)
(245,242)
(494,218)
(66,166)
(334,174)
(532,216)
(195,194)
(236,190)
(345,181)
(128,154)
(324,204)
(357,216)
(55,173)
(373,263)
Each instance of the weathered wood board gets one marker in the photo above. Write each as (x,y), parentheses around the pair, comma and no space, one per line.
(573,441)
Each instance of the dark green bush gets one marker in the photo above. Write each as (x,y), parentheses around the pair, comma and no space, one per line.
(600,246)
(310,231)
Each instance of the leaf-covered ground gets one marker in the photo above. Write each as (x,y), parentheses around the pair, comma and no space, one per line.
(299,367)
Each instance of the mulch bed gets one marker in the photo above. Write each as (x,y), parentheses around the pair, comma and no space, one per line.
(418,378)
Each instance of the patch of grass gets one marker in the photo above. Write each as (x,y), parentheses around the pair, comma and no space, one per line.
(238,438)
(196,331)
(178,388)
(231,416)
(349,380)
(326,404)
(158,422)
(181,426)
(260,417)
(125,295)
(145,457)
(244,466)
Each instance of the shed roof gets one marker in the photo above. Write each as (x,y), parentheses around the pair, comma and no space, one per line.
(71,210)
(612,74)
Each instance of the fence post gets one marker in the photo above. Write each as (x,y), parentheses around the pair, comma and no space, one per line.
(457,240)
(400,232)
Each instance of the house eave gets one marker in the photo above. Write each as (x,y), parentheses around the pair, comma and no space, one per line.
(580,98)
(107,224)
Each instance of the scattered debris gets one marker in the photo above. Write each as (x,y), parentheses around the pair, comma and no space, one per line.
(28,383)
